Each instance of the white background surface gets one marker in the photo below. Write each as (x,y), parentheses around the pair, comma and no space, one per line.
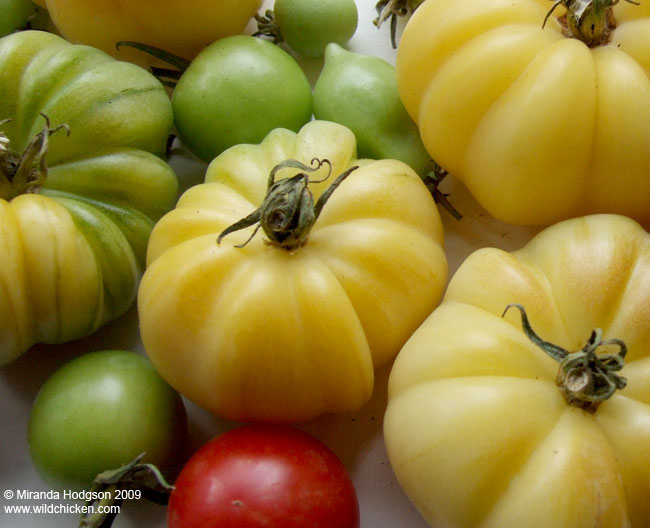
(355,438)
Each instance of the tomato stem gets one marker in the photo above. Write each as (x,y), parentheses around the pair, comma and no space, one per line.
(26,172)
(168,77)
(585,379)
(267,26)
(392,10)
(288,211)
(106,488)
(591,21)
(433,180)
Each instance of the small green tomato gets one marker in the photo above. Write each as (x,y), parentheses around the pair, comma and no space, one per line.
(236,91)
(99,412)
(14,15)
(308,26)
(360,92)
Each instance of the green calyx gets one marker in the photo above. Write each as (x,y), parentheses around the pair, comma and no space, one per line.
(585,378)
(26,172)
(288,211)
(590,21)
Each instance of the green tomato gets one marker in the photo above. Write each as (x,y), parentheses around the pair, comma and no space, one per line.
(360,92)
(100,411)
(237,90)
(14,15)
(308,26)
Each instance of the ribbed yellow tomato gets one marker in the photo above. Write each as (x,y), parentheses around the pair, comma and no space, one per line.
(477,428)
(539,127)
(265,333)
(182,27)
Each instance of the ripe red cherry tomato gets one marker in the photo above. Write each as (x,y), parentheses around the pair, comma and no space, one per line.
(263,476)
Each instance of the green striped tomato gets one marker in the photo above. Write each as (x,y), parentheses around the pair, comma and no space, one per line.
(73,243)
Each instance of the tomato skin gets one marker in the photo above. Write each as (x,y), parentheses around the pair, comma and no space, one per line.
(539,127)
(261,333)
(263,476)
(236,91)
(477,429)
(360,92)
(100,411)
(14,15)
(182,27)
(309,26)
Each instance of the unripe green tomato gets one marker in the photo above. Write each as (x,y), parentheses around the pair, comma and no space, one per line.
(236,91)
(308,26)
(360,92)
(99,412)
(14,15)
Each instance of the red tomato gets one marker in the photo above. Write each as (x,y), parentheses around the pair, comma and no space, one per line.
(263,476)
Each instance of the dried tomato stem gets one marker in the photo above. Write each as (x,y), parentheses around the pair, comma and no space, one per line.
(145,478)
(268,27)
(433,180)
(288,211)
(26,172)
(585,378)
(392,10)
(591,21)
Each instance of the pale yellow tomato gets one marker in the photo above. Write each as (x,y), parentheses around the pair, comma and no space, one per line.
(539,126)
(182,27)
(265,333)
(477,428)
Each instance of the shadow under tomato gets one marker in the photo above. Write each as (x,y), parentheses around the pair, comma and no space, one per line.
(25,375)
(350,435)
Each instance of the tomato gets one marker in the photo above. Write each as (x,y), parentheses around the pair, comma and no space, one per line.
(360,92)
(182,27)
(14,15)
(538,126)
(98,412)
(236,91)
(485,428)
(263,476)
(278,333)
(75,219)
(308,26)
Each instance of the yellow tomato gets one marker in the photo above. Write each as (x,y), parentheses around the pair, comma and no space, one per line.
(539,127)
(477,428)
(180,27)
(268,334)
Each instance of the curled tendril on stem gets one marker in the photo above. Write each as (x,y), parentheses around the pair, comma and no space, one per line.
(288,211)
(585,378)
